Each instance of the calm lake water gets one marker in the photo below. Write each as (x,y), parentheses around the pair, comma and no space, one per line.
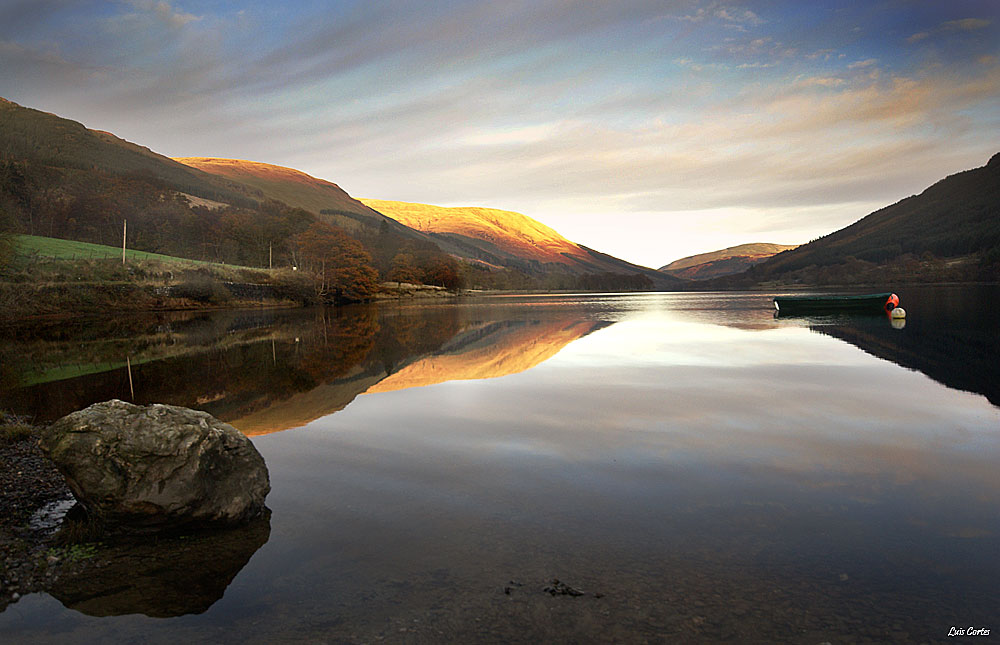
(702,470)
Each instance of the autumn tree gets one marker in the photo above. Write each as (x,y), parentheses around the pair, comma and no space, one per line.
(340,266)
(404,268)
(442,270)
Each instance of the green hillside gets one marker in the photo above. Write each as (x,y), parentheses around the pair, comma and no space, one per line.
(50,247)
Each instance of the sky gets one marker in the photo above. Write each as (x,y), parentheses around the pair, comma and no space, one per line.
(649,130)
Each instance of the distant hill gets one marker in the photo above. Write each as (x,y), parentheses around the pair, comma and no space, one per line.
(950,231)
(735,259)
(501,238)
(53,141)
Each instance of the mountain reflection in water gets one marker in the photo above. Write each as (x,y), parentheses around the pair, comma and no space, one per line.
(950,336)
(270,371)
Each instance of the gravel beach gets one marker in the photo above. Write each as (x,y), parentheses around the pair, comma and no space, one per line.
(29,483)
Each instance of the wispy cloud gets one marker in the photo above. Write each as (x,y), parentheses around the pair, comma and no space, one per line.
(165,12)
(868,62)
(737,14)
(820,81)
(725,13)
(951,26)
(965,24)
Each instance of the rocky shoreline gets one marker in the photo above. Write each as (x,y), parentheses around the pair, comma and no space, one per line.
(29,484)
(178,530)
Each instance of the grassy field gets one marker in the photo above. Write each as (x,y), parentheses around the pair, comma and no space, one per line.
(56,277)
(51,247)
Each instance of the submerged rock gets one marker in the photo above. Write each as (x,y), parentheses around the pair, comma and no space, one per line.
(148,467)
(557,588)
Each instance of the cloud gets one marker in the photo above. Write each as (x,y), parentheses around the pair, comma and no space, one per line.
(698,67)
(965,24)
(863,63)
(825,54)
(165,12)
(951,26)
(820,81)
(846,148)
(738,15)
(700,14)
(725,13)
(508,136)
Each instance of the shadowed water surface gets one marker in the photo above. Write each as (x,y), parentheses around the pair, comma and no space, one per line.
(701,470)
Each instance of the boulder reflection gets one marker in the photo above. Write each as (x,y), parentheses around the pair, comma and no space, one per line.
(163,576)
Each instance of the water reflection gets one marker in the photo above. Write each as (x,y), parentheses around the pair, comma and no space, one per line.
(269,371)
(161,576)
(950,335)
(266,371)
(717,474)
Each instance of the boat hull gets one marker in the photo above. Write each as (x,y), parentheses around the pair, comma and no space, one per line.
(873,303)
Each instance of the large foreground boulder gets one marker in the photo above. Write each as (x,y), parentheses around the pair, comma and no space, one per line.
(156,466)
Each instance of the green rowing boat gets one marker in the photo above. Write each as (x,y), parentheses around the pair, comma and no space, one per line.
(868,303)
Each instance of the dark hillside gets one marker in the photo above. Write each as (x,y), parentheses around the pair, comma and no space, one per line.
(957,217)
(48,140)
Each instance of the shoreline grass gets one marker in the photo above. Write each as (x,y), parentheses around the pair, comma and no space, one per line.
(14,428)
